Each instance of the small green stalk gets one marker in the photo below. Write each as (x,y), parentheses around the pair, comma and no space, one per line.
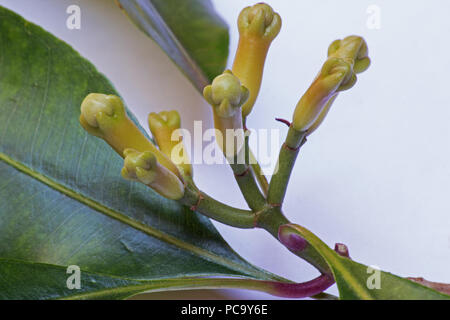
(258,173)
(201,202)
(286,160)
(246,180)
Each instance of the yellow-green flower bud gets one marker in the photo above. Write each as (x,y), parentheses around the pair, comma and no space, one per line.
(346,58)
(259,21)
(163,126)
(105,117)
(322,115)
(258,26)
(334,72)
(352,49)
(226,95)
(144,167)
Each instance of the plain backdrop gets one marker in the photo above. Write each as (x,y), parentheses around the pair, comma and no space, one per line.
(375,176)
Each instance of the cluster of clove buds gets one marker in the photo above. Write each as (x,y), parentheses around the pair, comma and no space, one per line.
(232,96)
(165,166)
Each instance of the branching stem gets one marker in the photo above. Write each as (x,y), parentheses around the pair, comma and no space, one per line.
(201,202)
(245,177)
(286,160)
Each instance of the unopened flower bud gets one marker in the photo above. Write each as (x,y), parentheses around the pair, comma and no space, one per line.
(144,167)
(99,106)
(322,115)
(352,49)
(258,26)
(164,126)
(259,21)
(226,96)
(105,117)
(346,58)
(334,72)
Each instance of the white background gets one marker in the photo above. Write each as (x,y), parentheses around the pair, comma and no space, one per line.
(376,174)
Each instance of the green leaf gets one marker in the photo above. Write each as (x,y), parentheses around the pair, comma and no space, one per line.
(352,278)
(62,200)
(189,31)
(23,280)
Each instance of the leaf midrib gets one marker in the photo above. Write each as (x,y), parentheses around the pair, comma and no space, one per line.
(202,253)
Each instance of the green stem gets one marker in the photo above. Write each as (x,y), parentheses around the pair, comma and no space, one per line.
(245,178)
(286,160)
(259,174)
(263,215)
(269,218)
(201,202)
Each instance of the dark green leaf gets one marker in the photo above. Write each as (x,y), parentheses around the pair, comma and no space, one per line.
(62,200)
(189,31)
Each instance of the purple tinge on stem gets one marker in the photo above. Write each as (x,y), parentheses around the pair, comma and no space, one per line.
(304,289)
(291,240)
(290,237)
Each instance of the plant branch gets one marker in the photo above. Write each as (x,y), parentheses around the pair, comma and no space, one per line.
(259,174)
(201,202)
(286,160)
(245,177)
(273,221)
(269,218)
